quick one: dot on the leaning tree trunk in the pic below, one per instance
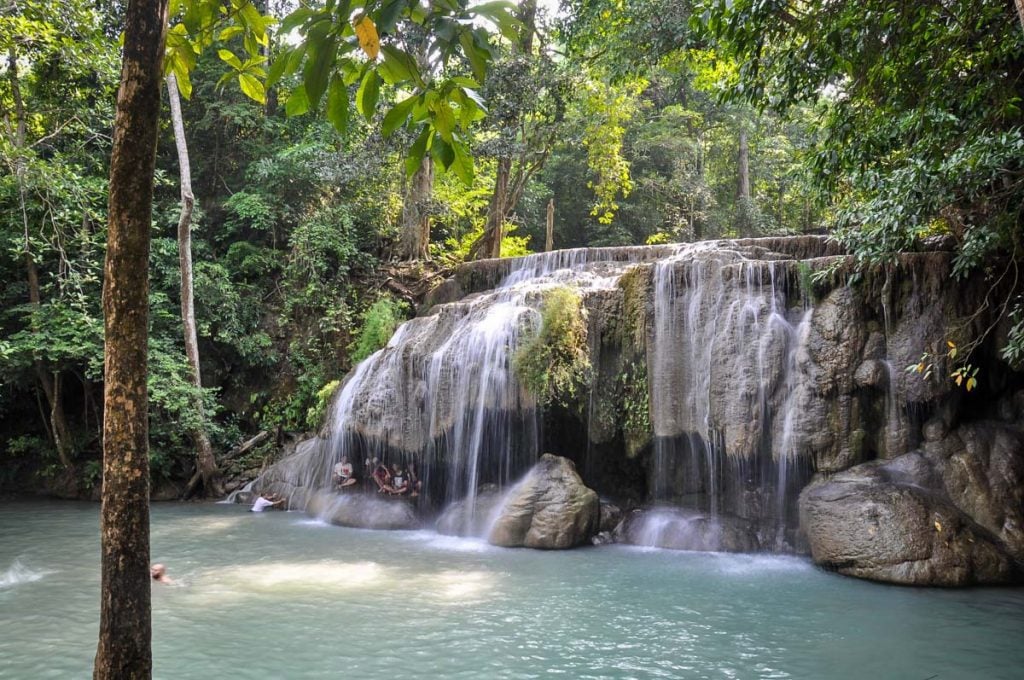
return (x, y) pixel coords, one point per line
(206, 464)
(416, 214)
(124, 651)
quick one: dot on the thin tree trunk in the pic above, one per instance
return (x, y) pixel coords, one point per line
(206, 464)
(124, 650)
(489, 244)
(58, 428)
(549, 239)
(416, 214)
(1020, 11)
(744, 166)
(743, 193)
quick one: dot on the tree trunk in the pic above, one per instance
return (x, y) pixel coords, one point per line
(744, 166)
(1020, 11)
(206, 465)
(58, 428)
(124, 650)
(489, 244)
(746, 228)
(549, 239)
(416, 214)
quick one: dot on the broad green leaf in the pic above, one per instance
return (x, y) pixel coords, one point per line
(230, 32)
(317, 71)
(228, 57)
(462, 165)
(397, 115)
(442, 152)
(338, 105)
(367, 94)
(417, 151)
(389, 13)
(252, 87)
(277, 69)
(476, 60)
(444, 121)
(298, 102)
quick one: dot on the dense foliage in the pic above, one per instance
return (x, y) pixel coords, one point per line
(644, 121)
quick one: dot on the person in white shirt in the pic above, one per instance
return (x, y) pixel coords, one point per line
(343, 473)
(266, 501)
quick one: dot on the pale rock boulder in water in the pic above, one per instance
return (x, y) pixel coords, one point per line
(550, 508)
(363, 511)
(681, 529)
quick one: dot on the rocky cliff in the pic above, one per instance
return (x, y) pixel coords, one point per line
(724, 378)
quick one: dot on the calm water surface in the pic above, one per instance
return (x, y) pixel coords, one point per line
(276, 595)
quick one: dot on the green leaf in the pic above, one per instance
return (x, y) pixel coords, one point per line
(252, 87)
(338, 105)
(477, 60)
(228, 57)
(444, 121)
(317, 71)
(463, 164)
(398, 66)
(397, 115)
(442, 152)
(367, 94)
(277, 69)
(298, 102)
(417, 151)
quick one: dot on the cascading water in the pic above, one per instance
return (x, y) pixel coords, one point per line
(731, 378)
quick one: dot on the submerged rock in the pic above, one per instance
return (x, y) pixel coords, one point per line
(886, 521)
(363, 511)
(550, 508)
(681, 529)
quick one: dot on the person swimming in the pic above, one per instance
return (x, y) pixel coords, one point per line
(158, 573)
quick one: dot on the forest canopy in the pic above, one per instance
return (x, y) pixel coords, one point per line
(345, 154)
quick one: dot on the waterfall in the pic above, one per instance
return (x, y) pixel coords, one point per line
(733, 413)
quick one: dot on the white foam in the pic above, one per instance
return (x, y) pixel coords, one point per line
(17, 574)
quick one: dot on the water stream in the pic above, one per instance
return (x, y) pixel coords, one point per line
(278, 595)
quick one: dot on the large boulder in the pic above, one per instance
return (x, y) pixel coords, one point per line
(889, 521)
(550, 508)
(363, 511)
(681, 529)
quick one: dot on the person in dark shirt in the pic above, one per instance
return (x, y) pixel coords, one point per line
(399, 480)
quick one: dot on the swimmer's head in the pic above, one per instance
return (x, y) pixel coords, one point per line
(157, 571)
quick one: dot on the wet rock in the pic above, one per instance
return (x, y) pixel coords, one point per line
(363, 510)
(611, 515)
(681, 529)
(985, 479)
(603, 538)
(470, 516)
(884, 521)
(549, 509)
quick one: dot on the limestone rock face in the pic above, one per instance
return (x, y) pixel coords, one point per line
(886, 521)
(363, 511)
(679, 529)
(549, 509)
(985, 479)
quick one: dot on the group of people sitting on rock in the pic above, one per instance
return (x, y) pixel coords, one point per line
(398, 480)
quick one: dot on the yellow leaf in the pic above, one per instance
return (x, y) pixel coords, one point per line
(959, 379)
(951, 344)
(366, 31)
(938, 527)
(920, 368)
(971, 383)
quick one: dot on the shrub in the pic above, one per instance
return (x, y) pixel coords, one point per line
(554, 364)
